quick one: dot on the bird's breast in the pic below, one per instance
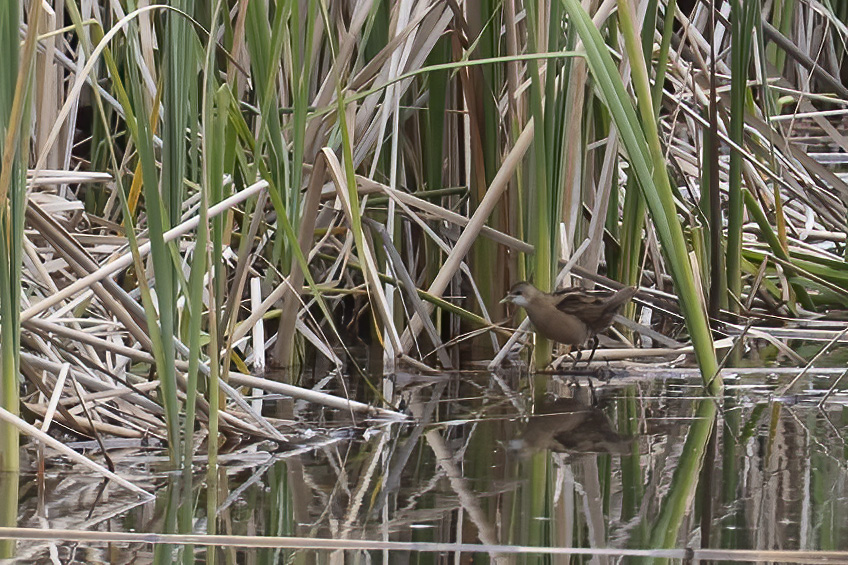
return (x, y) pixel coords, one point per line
(561, 327)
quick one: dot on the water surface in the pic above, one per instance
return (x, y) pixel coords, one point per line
(589, 467)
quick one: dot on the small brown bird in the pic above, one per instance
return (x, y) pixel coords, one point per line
(571, 315)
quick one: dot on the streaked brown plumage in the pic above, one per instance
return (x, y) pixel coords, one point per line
(571, 315)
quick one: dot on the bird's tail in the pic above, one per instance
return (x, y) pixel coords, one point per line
(621, 297)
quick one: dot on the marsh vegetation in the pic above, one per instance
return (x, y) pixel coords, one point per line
(237, 232)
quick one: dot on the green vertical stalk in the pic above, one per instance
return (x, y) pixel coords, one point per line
(9, 347)
(632, 226)
(15, 92)
(131, 100)
(437, 86)
(614, 219)
(213, 395)
(301, 53)
(300, 86)
(300, 74)
(178, 88)
(782, 17)
(559, 102)
(485, 117)
(710, 188)
(177, 48)
(215, 287)
(163, 267)
(742, 29)
(633, 216)
(540, 202)
(15, 103)
(14, 142)
(629, 265)
(662, 58)
(214, 116)
(663, 203)
(648, 161)
(711, 208)
(265, 43)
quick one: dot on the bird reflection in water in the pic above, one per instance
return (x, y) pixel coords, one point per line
(567, 425)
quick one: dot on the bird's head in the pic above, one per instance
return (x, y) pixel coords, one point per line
(520, 294)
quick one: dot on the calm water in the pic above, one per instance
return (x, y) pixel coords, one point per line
(592, 467)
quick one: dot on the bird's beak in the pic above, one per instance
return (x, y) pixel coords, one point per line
(506, 299)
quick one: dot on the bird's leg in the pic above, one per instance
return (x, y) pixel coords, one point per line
(594, 341)
(577, 357)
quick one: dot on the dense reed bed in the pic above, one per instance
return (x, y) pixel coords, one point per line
(193, 194)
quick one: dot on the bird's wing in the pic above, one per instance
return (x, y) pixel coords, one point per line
(571, 300)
